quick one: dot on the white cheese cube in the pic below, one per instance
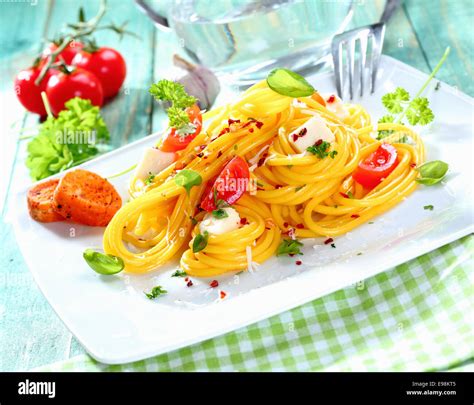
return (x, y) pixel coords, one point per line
(153, 162)
(217, 226)
(309, 133)
(336, 106)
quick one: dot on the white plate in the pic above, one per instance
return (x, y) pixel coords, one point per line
(116, 323)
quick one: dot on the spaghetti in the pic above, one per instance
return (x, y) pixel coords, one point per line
(296, 194)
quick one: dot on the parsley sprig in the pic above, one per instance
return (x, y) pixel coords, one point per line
(289, 247)
(417, 110)
(321, 150)
(155, 292)
(173, 92)
(74, 137)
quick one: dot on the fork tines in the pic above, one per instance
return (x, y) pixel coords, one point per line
(362, 35)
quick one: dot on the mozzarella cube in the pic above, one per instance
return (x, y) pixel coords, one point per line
(336, 106)
(153, 162)
(217, 226)
(309, 133)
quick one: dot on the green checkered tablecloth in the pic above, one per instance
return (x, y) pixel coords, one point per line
(416, 317)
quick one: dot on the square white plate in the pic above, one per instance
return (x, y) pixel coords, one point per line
(116, 323)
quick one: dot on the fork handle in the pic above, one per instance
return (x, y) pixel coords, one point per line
(390, 7)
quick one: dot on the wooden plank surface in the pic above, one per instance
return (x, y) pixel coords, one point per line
(29, 329)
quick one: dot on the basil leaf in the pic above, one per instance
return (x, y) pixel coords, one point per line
(102, 263)
(200, 242)
(432, 172)
(188, 178)
(220, 213)
(288, 83)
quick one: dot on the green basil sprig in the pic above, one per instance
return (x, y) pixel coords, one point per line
(200, 242)
(288, 83)
(188, 178)
(432, 172)
(102, 263)
(220, 213)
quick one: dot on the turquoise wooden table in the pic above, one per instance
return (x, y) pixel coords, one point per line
(31, 334)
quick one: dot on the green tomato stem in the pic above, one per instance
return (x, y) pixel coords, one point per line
(87, 28)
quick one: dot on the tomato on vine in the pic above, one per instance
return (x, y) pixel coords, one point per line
(107, 64)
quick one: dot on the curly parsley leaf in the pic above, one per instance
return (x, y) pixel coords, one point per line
(173, 92)
(155, 292)
(289, 247)
(383, 120)
(70, 139)
(394, 102)
(419, 112)
(321, 150)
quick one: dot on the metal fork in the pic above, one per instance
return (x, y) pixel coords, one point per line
(374, 32)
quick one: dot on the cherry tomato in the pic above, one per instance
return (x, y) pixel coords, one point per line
(377, 166)
(107, 64)
(67, 54)
(80, 83)
(28, 92)
(174, 141)
(229, 186)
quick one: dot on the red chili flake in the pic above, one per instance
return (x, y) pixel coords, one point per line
(186, 279)
(413, 165)
(300, 226)
(205, 157)
(231, 121)
(355, 216)
(278, 186)
(190, 283)
(219, 154)
(214, 283)
(258, 124)
(331, 98)
(285, 224)
(222, 294)
(318, 142)
(250, 129)
(295, 137)
(344, 195)
(299, 262)
(243, 221)
(200, 155)
(291, 254)
(224, 131)
(328, 241)
(202, 147)
(260, 162)
(303, 132)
